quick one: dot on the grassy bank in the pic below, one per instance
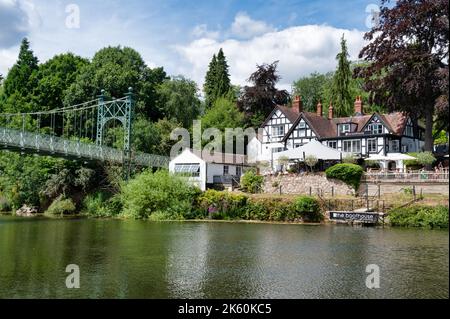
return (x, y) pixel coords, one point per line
(420, 216)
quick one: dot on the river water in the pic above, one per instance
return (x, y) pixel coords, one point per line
(140, 259)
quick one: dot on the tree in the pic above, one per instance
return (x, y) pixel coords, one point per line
(18, 79)
(408, 56)
(313, 88)
(340, 92)
(257, 101)
(217, 79)
(179, 100)
(311, 161)
(115, 69)
(223, 114)
(53, 78)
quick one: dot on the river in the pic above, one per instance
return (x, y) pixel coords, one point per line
(141, 259)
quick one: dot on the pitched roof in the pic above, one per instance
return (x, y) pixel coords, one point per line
(289, 112)
(327, 128)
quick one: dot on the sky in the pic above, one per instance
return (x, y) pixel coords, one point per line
(304, 36)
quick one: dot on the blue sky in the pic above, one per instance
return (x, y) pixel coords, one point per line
(181, 36)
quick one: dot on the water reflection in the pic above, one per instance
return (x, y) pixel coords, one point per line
(136, 259)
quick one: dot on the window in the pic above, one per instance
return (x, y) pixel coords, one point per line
(188, 169)
(332, 144)
(238, 171)
(301, 133)
(277, 149)
(278, 131)
(372, 145)
(351, 146)
(226, 170)
(302, 125)
(344, 128)
(297, 145)
(375, 128)
(409, 131)
(395, 146)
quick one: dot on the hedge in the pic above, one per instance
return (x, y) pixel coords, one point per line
(420, 216)
(348, 173)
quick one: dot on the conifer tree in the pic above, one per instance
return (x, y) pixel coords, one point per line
(341, 98)
(217, 80)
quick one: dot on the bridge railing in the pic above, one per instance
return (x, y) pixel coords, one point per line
(75, 148)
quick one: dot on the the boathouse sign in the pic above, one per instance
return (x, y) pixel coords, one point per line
(352, 216)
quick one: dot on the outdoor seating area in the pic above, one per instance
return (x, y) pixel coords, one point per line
(441, 174)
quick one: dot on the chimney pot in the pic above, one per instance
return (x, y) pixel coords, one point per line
(358, 106)
(297, 105)
(330, 111)
(319, 109)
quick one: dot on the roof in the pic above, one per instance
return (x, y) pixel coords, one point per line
(216, 157)
(289, 112)
(327, 128)
(314, 148)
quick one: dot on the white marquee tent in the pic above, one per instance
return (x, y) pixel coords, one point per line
(315, 148)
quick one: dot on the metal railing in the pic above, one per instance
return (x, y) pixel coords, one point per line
(438, 176)
(23, 140)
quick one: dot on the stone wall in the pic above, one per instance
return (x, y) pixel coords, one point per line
(315, 183)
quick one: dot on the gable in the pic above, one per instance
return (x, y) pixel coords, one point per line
(376, 124)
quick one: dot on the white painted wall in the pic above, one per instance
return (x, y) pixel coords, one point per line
(187, 157)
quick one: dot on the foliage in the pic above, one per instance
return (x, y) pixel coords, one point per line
(61, 206)
(410, 71)
(440, 138)
(5, 205)
(425, 158)
(340, 92)
(219, 205)
(178, 100)
(102, 204)
(115, 69)
(311, 161)
(251, 182)
(313, 88)
(348, 173)
(223, 114)
(159, 192)
(153, 137)
(217, 80)
(258, 101)
(308, 208)
(420, 216)
(349, 159)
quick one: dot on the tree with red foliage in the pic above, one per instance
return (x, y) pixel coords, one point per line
(408, 60)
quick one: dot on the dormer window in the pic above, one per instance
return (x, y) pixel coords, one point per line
(278, 131)
(375, 128)
(345, 128)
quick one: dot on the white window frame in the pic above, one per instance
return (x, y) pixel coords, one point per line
(345, 128)
(302, 124)
(330, 143)
(226, 170)
(378, 126)
(355, 146)
(372, 148)
(276, 130)
(391, 146)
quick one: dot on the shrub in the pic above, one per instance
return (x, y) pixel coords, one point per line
(421, 159)
(61, 206)
(349, 159)
(307, 208)
(159, 192)
(102, 204)
(420, 216)
(311, 161)
(221, 205)
(5, 205)
(348, 173)
(251, 182)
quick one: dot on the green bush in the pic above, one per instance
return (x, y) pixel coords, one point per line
(307, 208)
(102, 204)
(61, 206)
(5, 205)
(251, 182)
(420, 216)
(159, 192)
(348, 173)
(221, 205)
(421, 159)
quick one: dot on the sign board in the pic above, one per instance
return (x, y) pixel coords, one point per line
(352, 216)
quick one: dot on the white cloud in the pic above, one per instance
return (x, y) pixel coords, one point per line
(202, 31)
(244, 27)
(300, 50)
(7, 59)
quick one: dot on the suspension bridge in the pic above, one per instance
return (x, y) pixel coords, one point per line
(79, 132)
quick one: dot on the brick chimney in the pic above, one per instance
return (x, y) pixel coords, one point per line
(319, 109)
(358, 106)
(330, 111)
(297, 105)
